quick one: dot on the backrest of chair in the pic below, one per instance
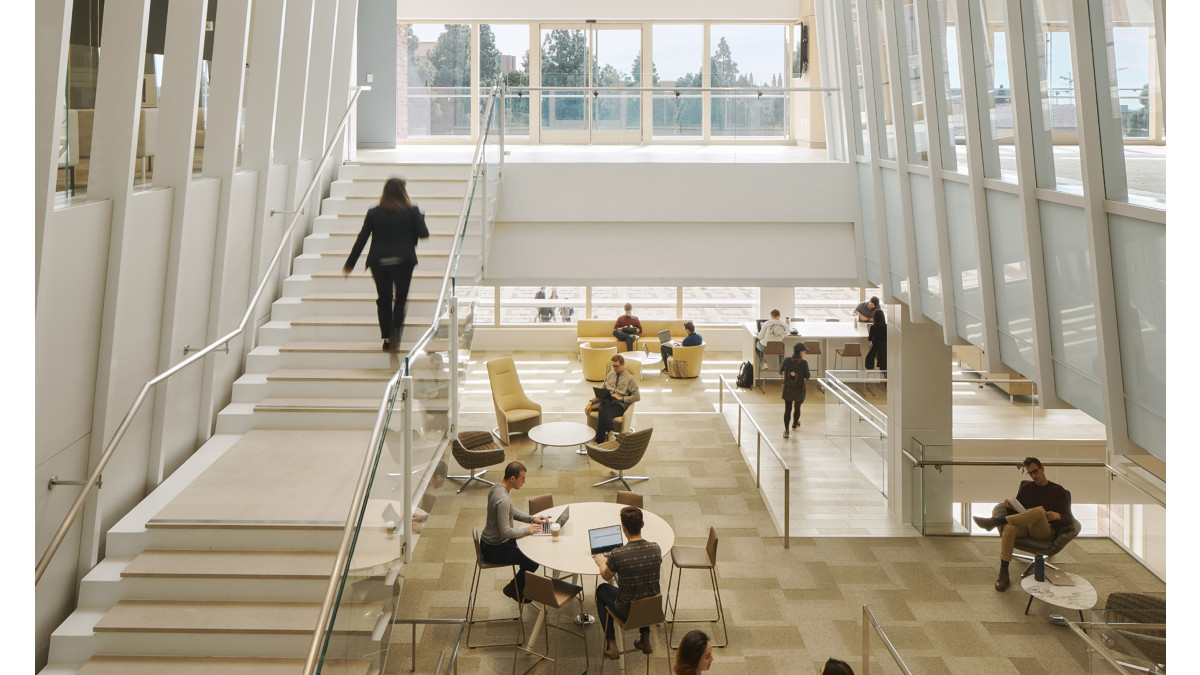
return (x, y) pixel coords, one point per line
(774, 347)
(540, 503)
(832, 320)
(645, 612)
(629, 498)
(506, 386)
(814, 348)
(633, 447)
(469, 440)
(851, 349)
(478, 550)
(539, 589)
(712, 545)
(632, 367)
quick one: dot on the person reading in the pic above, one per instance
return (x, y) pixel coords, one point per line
(622, 389)
(1047, 511)
(627, 328)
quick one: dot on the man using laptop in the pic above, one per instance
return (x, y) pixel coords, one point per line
(774, 330)
(1047, 511)
(623, 389)
(498, 543)
(637, 565)
(668, 348)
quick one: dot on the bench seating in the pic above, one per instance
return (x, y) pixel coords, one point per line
(599, 333)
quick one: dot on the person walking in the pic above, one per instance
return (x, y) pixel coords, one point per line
(877, 334)
(394, 226)
(694, 655)
(794, 372)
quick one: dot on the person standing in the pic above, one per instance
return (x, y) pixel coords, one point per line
(637, 564)
(694, 655)
(794, 372)
(627, 328)
(625, 391)
(498, 542)
(544, 313)
(693, 339)
(394, 226)
(877, 334)
(1048, 512)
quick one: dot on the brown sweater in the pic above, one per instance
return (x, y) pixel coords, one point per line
(1051, 496)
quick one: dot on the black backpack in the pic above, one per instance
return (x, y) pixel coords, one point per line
(792, 377)
(745, 378)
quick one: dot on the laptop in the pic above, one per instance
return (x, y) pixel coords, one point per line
(604, 539)
(602, 393)
(664, 336)
(760, 325)
(562, 520)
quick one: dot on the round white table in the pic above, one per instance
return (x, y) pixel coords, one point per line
(650, 361)
(560, 435)
(572, 553)
(1081, 596)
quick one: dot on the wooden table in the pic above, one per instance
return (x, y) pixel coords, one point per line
(829, 334)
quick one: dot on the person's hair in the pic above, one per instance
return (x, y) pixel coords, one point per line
(874, 300)
(798, 350)
(691, 650)
(513, 470)
(395, 195)
(774, 314)
(689, 326)
(617, 358)
(1032, 460)
(878, 317)
(836, 667)
(628, 307)
(554, 293)
(631, 520)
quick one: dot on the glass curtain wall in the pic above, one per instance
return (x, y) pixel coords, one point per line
(910, 68)
(1057, 142)
(433, 87)
(504, 59)
(862, 138)
(883, 84)
(956, 158)
(999, 160)
(678, 65)
(751, 57)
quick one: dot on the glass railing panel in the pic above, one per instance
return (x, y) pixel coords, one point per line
(75, 135)
(1129, 642)
(677, 114)
(936, 510)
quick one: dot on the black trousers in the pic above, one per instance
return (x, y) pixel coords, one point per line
(391, 283)
(877, 355)
(608, 410)
(630, 339)
(508, 554)
(606, 598)
(787, 412)
(666, 351)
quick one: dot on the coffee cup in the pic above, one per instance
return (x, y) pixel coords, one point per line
(554, 530)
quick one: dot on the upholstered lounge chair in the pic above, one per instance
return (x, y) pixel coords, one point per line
(515, 412)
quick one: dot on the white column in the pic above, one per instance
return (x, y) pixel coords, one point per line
(878, 137)
(114, 141)
(222, 138)
(184, 318)
(52, 32)
(320, 65)
(288, 147)
(920, 405)
(342, 78)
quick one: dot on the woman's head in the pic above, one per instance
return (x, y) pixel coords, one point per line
(878, 317)
(836, 667)
(694, 655)
(798, 350)
(395, 195)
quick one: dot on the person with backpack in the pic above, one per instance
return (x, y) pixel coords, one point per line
(794, 371)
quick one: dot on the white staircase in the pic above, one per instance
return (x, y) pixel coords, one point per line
(243, 597)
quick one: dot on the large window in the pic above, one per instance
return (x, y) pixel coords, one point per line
(433, 88)
(751, 57)
(999, 155)
(727, 305)
(1057, 135)
(504, 59)
(955, 156)
(860, 101)
(678, 65)
(883, 83)
(910, 68)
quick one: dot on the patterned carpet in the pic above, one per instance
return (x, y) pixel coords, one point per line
(788, 610)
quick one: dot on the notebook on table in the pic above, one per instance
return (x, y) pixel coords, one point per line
(604, 539)
(562, 520)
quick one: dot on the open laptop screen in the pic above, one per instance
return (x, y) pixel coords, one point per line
(664, 336)
(604, 539)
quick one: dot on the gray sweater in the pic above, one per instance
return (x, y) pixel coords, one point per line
(626, 385)
(500, 516)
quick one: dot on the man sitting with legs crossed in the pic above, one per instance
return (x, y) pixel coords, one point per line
(1048, 512)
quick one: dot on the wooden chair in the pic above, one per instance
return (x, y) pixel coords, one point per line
(696, 558)
(540, 503)
(850, 350)
(643, 613)
(629, 498)
(551, 594)
(480, 565)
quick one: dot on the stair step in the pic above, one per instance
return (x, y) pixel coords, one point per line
(333, 296)
(316, 405)
(198, 665)
(231, 564)
(331, 375)
(372, 347)
(286, 618)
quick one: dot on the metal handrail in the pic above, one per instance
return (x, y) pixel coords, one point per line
(325, 616)
(869, 622)
(670, 89)
(787, 471)
(832, 384)
(284, 240)
(1120, 666)
(939, 463)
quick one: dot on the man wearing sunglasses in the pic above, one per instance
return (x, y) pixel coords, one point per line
(1047, 512)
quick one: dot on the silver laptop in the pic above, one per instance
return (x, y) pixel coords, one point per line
(664, 336)
(604, 539)
(562, 520)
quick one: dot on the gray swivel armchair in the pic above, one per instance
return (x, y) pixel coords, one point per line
(1037, 547)
(623, 452)
(475, 450)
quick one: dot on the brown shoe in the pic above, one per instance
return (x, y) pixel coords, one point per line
(1002, 581)
(988, 524)
(643, 643)
(611, 652)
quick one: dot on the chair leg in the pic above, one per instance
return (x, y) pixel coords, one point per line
(476, 580)
(620, 476)
(468, 478)
(712, 573)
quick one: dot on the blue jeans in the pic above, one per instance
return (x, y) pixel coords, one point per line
(606, 599)
(630, 339)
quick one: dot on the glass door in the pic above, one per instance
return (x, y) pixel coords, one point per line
(582, 63)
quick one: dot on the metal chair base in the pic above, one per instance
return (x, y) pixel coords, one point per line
(673, 609)
(1032, 561)
(468, 478)
(620, 476)
(557, 640)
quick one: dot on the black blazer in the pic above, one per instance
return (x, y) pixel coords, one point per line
(877, 332)
(393, 235)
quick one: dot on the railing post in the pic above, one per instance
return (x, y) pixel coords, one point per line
(739, 438)
(866, 642)
(406, 417)
(500, 128)
(757, 459)
(721, 396)
(452, 351)
(787, 507)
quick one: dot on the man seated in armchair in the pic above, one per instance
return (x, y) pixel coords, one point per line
(624, 391)
(693, 338)
(1047, 512)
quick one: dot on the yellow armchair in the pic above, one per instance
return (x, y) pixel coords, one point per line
(595, 361)
(689, 360)
(515, 412)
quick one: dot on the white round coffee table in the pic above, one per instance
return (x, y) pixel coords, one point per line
(561, 435)
(1081, 596)
(650, 361)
